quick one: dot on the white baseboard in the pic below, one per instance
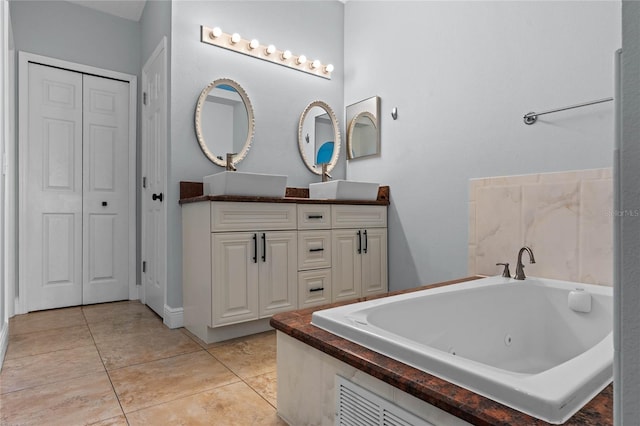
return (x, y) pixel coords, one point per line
(4, 342)
(173, 317)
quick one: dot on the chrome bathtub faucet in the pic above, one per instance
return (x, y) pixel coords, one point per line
(519, 266)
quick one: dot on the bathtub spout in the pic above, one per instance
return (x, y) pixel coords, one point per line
(519, 266)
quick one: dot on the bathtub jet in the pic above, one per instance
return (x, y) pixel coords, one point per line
(522, 343)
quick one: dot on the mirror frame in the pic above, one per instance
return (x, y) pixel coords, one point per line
(354, 111)
(250, 119)
(336, 138)
(352, 127)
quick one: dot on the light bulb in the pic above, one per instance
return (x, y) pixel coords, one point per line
(301, 60)
(215, 33)
(328, 69)
(315, 64)
(253, 44)
(235, 38)
(270, 49)
(286, 54)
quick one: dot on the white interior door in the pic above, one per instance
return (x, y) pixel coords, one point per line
(105, 190)
(154, 134)
(76, 190)
(53, 189)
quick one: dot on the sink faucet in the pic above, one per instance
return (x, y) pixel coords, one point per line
(519, 266)
(230, 166)
(325, 174)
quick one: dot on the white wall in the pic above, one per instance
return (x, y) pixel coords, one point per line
(626, 289)
(4, 122)
(278, 94)
(462, 75)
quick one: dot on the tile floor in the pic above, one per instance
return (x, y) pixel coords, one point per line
(117, 364)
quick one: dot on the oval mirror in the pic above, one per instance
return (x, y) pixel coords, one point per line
(319, 137)
(363, 133)
(224, 121)
(362, 138)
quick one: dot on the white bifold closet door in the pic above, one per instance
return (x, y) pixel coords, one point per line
(77, 189)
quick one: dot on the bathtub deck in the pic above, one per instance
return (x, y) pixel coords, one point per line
(458, 401)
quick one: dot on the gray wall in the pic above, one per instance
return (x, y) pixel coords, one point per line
(462, 75)
(74, 33)
(626, 290)
(278, 94)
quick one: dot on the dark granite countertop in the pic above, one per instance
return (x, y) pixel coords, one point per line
(192, 192)
(454, 399)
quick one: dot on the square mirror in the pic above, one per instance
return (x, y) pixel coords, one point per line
(363, 133)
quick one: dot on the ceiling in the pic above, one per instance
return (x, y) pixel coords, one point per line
(127, 9)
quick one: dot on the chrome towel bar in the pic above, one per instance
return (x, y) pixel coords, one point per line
(532, 117)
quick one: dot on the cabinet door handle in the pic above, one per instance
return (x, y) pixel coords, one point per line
(359, 242)
(316, 289)
(155, 197)
(255, 248)
(366, 242)
(316, 249)
(264, 247)
(314, 216)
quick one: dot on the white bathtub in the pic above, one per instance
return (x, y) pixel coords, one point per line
(516, 342)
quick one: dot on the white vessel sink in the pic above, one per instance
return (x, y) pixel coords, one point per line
(344, 190)
(247, 184)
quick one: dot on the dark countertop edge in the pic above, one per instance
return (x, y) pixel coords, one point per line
(451, 398)
(250, 199)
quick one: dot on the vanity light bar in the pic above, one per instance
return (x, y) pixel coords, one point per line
(217, 37)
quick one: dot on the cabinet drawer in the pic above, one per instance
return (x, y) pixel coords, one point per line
(314, 216)
(314, 288)
(357, 216)
(232, 216)
(314, 249)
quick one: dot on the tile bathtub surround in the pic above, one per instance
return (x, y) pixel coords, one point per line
(566, 218)
(453, 399)
(117, 364)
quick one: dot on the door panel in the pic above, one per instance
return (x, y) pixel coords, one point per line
(374, 262)
(235, 278)
(53, 240)
(106, 190)
(153, 170)
(278, 273)
(346, 263)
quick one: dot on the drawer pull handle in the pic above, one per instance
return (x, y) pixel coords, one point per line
(316, 249)
(255, 248)
(315, 216)
(316, 289)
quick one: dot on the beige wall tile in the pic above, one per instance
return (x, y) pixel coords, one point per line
(596, 236)
(550, 225)
(498, 226)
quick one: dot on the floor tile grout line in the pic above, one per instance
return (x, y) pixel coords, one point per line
(256, 391)
(49, 352)
(105, 370)
(186, 396)
(153, 360)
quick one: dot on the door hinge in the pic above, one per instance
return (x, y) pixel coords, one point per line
(144, 266)
(144, 181)
(144, 98)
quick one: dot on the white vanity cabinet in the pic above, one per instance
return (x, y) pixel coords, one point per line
(245, 261)
(245, 270)
(359, 251)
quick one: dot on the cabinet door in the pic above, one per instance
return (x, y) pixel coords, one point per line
(346, 261)
(374, 261)
(234, 277)
(278, 272)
